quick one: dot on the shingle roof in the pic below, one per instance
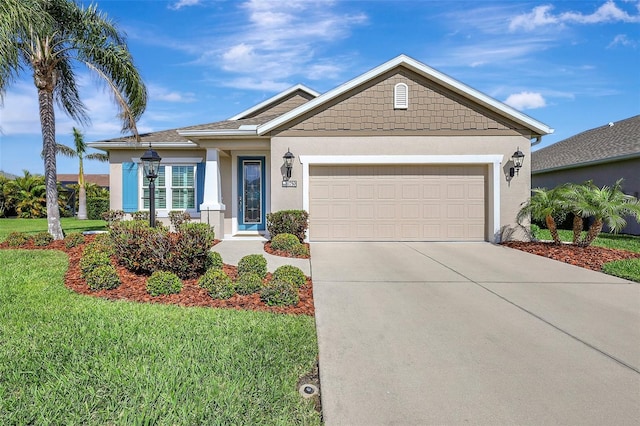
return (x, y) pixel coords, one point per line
(608, 142)
(98, 179)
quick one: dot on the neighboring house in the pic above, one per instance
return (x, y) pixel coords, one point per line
(101, 180)
(603, 155)
(401, 152)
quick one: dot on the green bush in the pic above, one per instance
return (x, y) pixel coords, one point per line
(96, 207)
(217, 283)
(178, 217)
(300, 250)
(103, 243)
(286, 242)
(255, 263)
(112, 216)
(190, 248)
(291, 274)
(17, 239)
(91, 259)
(280, 293)
(103, 277)
(162, 282)
(214, 260)
(293, 222)
(248, 283)
(74, 239)
(140, 215)
(42, 239)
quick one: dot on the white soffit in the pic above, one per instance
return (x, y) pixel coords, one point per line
(427, 72)
(275, 99)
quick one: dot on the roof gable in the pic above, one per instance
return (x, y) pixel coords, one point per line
(299, 92)
(613, 141)
(425, 71)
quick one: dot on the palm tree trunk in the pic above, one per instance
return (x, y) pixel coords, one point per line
(47, 120)
(551, 225)
(594, 231)
(578, 224)
(82, 191)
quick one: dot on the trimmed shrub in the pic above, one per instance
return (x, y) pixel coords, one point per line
(286, 242)
(300, 250)
(248, 283)
(42, 239)
(162, 282)
(291, 274)
(96, 207)
(217, 283)
(255, 263)
(140, 248)
(178, 217)
(214, 260)
(103, 277)
(91, 259)
(17, 239)
(112, 216)
(74, 239)
(189, 250)
(140, 215)
(103, 242)
(280, 293)
(293, 222)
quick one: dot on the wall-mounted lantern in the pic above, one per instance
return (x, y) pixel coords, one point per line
(288, 163)
(517, 158)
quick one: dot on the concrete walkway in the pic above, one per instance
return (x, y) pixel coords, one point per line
(234, 250)
(457, 333)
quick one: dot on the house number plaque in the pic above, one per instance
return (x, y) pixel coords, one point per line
(289, 183)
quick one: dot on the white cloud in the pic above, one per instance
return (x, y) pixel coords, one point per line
(542, 16)
(183, 3)
(622, 40)
(159, 93)
(525, 100)
(256, 84)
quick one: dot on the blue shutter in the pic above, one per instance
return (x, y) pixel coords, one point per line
(129, 187)
(200, 184)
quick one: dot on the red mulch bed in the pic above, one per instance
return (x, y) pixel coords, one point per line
(585, 257)
(133, 287)
(282, 253)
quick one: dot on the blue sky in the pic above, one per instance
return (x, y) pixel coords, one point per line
(574, 65)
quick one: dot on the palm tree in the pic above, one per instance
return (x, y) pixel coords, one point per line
(79, 151)
(575, 195)
(50, 37)
(28, 193)
(607, 205)
(546, 205)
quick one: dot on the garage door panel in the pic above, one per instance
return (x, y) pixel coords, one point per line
(397, 202)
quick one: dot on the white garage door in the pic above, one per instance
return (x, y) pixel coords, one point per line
(397, 203)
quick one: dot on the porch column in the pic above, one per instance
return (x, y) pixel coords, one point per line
(212, 209)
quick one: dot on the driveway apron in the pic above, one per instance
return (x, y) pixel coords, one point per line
(454, 333)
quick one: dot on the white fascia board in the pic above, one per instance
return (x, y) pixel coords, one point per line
(142, 145)
(225, 132)
(425, 71)
(274, 99)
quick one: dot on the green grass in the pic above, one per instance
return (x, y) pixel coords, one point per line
(615, 241)
(33, 226)
(628, 269)
(72, 359)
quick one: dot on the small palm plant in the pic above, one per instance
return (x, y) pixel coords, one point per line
(548, 205)
(607, 205)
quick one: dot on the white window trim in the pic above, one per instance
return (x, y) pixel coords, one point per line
(493, 161)
(397, 103)
(193, 212)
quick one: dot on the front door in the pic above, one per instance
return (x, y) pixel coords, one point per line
(251, 194)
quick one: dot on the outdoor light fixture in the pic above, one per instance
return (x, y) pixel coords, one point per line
(151, 164)
(517, 158)
(288, 163)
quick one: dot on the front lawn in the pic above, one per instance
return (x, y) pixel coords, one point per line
(33, 226)
(628, 269)
(71, 359)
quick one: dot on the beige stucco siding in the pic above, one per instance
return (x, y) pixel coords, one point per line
(512, 191)
(371, 108)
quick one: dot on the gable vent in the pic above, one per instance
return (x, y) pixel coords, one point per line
(401, 96)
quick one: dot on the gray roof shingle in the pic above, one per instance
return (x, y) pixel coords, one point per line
(622, 139)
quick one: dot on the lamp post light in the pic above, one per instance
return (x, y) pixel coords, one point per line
(151, 163)
(288, 162)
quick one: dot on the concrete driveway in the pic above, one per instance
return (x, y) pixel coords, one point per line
(457, 333)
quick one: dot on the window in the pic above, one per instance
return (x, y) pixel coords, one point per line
(401, 96)
(175, 188)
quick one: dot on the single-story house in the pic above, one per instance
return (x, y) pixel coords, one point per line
(66, 179)
(401, 152)
(603, 155)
